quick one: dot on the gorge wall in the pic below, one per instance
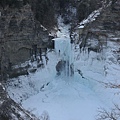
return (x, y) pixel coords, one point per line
(19, 33)
(99, 39)
(104, 28)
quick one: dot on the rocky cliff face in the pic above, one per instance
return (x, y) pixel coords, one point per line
(19, 33)
(99, 37)
(103, 28)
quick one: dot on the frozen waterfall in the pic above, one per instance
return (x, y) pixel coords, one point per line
(63, 48)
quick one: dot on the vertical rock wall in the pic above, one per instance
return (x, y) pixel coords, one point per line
(19, 32)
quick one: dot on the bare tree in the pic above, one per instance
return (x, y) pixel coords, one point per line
(45, 116)
(113, 114)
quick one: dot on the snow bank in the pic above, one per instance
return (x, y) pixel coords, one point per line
(92, 17)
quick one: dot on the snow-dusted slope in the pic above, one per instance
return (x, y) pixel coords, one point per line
(66, 98)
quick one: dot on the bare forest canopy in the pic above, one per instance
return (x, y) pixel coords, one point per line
(46, 11)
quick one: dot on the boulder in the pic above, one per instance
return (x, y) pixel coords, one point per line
(60, 67)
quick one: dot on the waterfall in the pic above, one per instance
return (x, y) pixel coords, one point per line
(63, 48)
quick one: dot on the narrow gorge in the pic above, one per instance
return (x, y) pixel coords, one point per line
(59, 60)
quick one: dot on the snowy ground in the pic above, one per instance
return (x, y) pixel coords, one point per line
(64, 98)
(68, 98)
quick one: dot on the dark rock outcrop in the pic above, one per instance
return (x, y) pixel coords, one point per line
(60, 67)
(9, 110)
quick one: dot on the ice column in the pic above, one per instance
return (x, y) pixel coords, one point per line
(63, 48)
